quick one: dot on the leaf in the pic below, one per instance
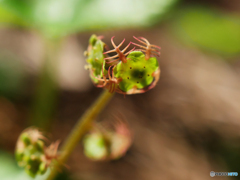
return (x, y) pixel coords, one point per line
(61, 17)
(210, 30)
(7, 18)
(10, 171)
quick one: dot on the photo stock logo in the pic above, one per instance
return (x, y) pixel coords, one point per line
(212, 173)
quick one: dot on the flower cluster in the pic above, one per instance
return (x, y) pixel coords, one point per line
(32, 154)
(132, 72)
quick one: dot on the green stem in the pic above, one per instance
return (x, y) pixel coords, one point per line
(82, 126)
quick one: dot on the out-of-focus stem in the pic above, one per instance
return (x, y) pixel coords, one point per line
(82, 126)
(46, 92)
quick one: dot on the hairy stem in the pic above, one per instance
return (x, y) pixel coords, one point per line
(83, 125)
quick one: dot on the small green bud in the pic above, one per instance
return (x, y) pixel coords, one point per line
(33, 166)
(26, 139)
(95, 146)
(39, 146)
(106, 144)
(32, 153)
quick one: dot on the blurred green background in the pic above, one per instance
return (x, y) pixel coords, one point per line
(190, 121)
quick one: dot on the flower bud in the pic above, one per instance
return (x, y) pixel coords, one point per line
(31, 152)
(107, 144)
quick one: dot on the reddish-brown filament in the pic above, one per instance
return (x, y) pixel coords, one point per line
(150, 49)
(121, 55)
(110, 83)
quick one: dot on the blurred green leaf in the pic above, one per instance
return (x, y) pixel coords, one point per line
(61, 17)
(210, 30)
(7, 18)
(9, 170)
(12, 75)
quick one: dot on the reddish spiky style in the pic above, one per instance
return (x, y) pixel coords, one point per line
(51, 152)
(109, 82)
(121, 55)
(149, 49)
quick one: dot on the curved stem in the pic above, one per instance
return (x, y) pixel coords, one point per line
(83, 125)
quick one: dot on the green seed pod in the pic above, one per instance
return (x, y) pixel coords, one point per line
(132, 72)
(95, 58)
(32, 154)
(137, 73)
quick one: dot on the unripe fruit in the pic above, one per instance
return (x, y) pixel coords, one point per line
(132, 72)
